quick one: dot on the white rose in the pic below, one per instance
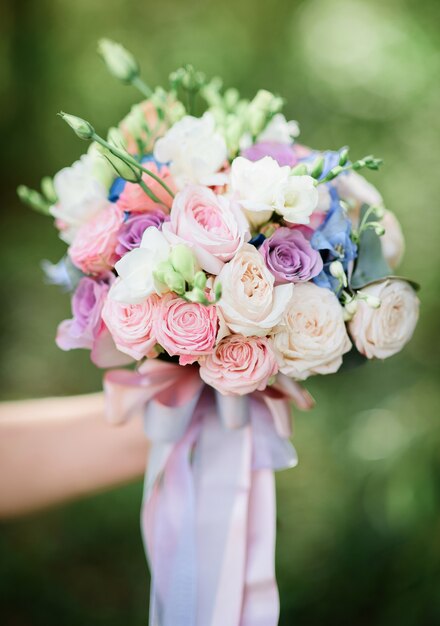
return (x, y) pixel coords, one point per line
(194, 150)
(312, 337)
(254, 184)
(80, 196)
(393, 242)
(296, 199)
(356, 191)
(279, 130)
(136, 269)
(382, 332)
(250, 303)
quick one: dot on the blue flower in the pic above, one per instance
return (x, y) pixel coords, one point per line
(333, 241)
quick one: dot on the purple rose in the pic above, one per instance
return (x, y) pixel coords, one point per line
(133, 228)
(283, 153)
(290, 257)
(87, 302)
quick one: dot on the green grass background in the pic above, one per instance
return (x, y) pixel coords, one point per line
(359, 519)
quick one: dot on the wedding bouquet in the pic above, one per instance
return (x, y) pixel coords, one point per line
(222, 262)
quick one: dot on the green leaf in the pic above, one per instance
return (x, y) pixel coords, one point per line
(352, 360)
(370, 264)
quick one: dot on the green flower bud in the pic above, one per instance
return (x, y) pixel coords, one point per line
(182, 260)
(337, 270)
(122, 168)
(317, 167)
(175, 282)
(116, 138)
(33, 199)
(231, 98)
(81, 127)
(299, 170)
(372, 301)
(119, 61)
(200, 280)
(379, 212)
(197, 295)
(48, 189)
(343, 156)
(161, 270)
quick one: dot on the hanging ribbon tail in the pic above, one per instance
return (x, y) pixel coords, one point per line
(208, 517)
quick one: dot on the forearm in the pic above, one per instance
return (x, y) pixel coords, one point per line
(56, 449)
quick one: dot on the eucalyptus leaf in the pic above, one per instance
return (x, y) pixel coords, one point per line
(370, 263)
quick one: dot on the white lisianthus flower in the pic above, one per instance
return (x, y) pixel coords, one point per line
(311, 337)
(296, 199)
(136, 269)
(250, 303)
(383, 331)
(254, 184)
(279, 130)
(356, 191)
(80, 196)
(393, 242)
(194, 150)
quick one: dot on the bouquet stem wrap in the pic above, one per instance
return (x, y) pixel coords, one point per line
(208, 516)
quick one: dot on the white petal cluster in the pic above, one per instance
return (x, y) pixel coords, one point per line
(80, 196)
(263, 186)
(194, 150)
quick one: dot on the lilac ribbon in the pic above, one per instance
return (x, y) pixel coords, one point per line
(208, 515)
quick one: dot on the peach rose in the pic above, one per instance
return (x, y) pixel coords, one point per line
(382, 332)
(356, 191)
(135, 200)
(250, 303)
(131, 325)
(312, 337)
(393, 243)
(93, 249)
(186, 329)
(239, 365)
(213, 226)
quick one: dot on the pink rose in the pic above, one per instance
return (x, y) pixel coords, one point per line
(135, 200)
(131, 325)
(93, 250)
(239, 365)
(186, 329)
(212, 225)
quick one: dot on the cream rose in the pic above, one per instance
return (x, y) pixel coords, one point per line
(311, 338)
(384, 331)
(250, 303)
(393, 242)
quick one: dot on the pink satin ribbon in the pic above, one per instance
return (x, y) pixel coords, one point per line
(208, 517)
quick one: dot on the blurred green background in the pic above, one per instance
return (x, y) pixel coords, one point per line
(359, 519)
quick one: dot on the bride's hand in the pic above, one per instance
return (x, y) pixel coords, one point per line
(57, 449)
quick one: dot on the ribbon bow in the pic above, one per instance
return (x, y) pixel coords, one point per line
(208, 515)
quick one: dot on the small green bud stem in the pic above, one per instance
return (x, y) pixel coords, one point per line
(141, 86)
(369, 161)
(366, 223)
